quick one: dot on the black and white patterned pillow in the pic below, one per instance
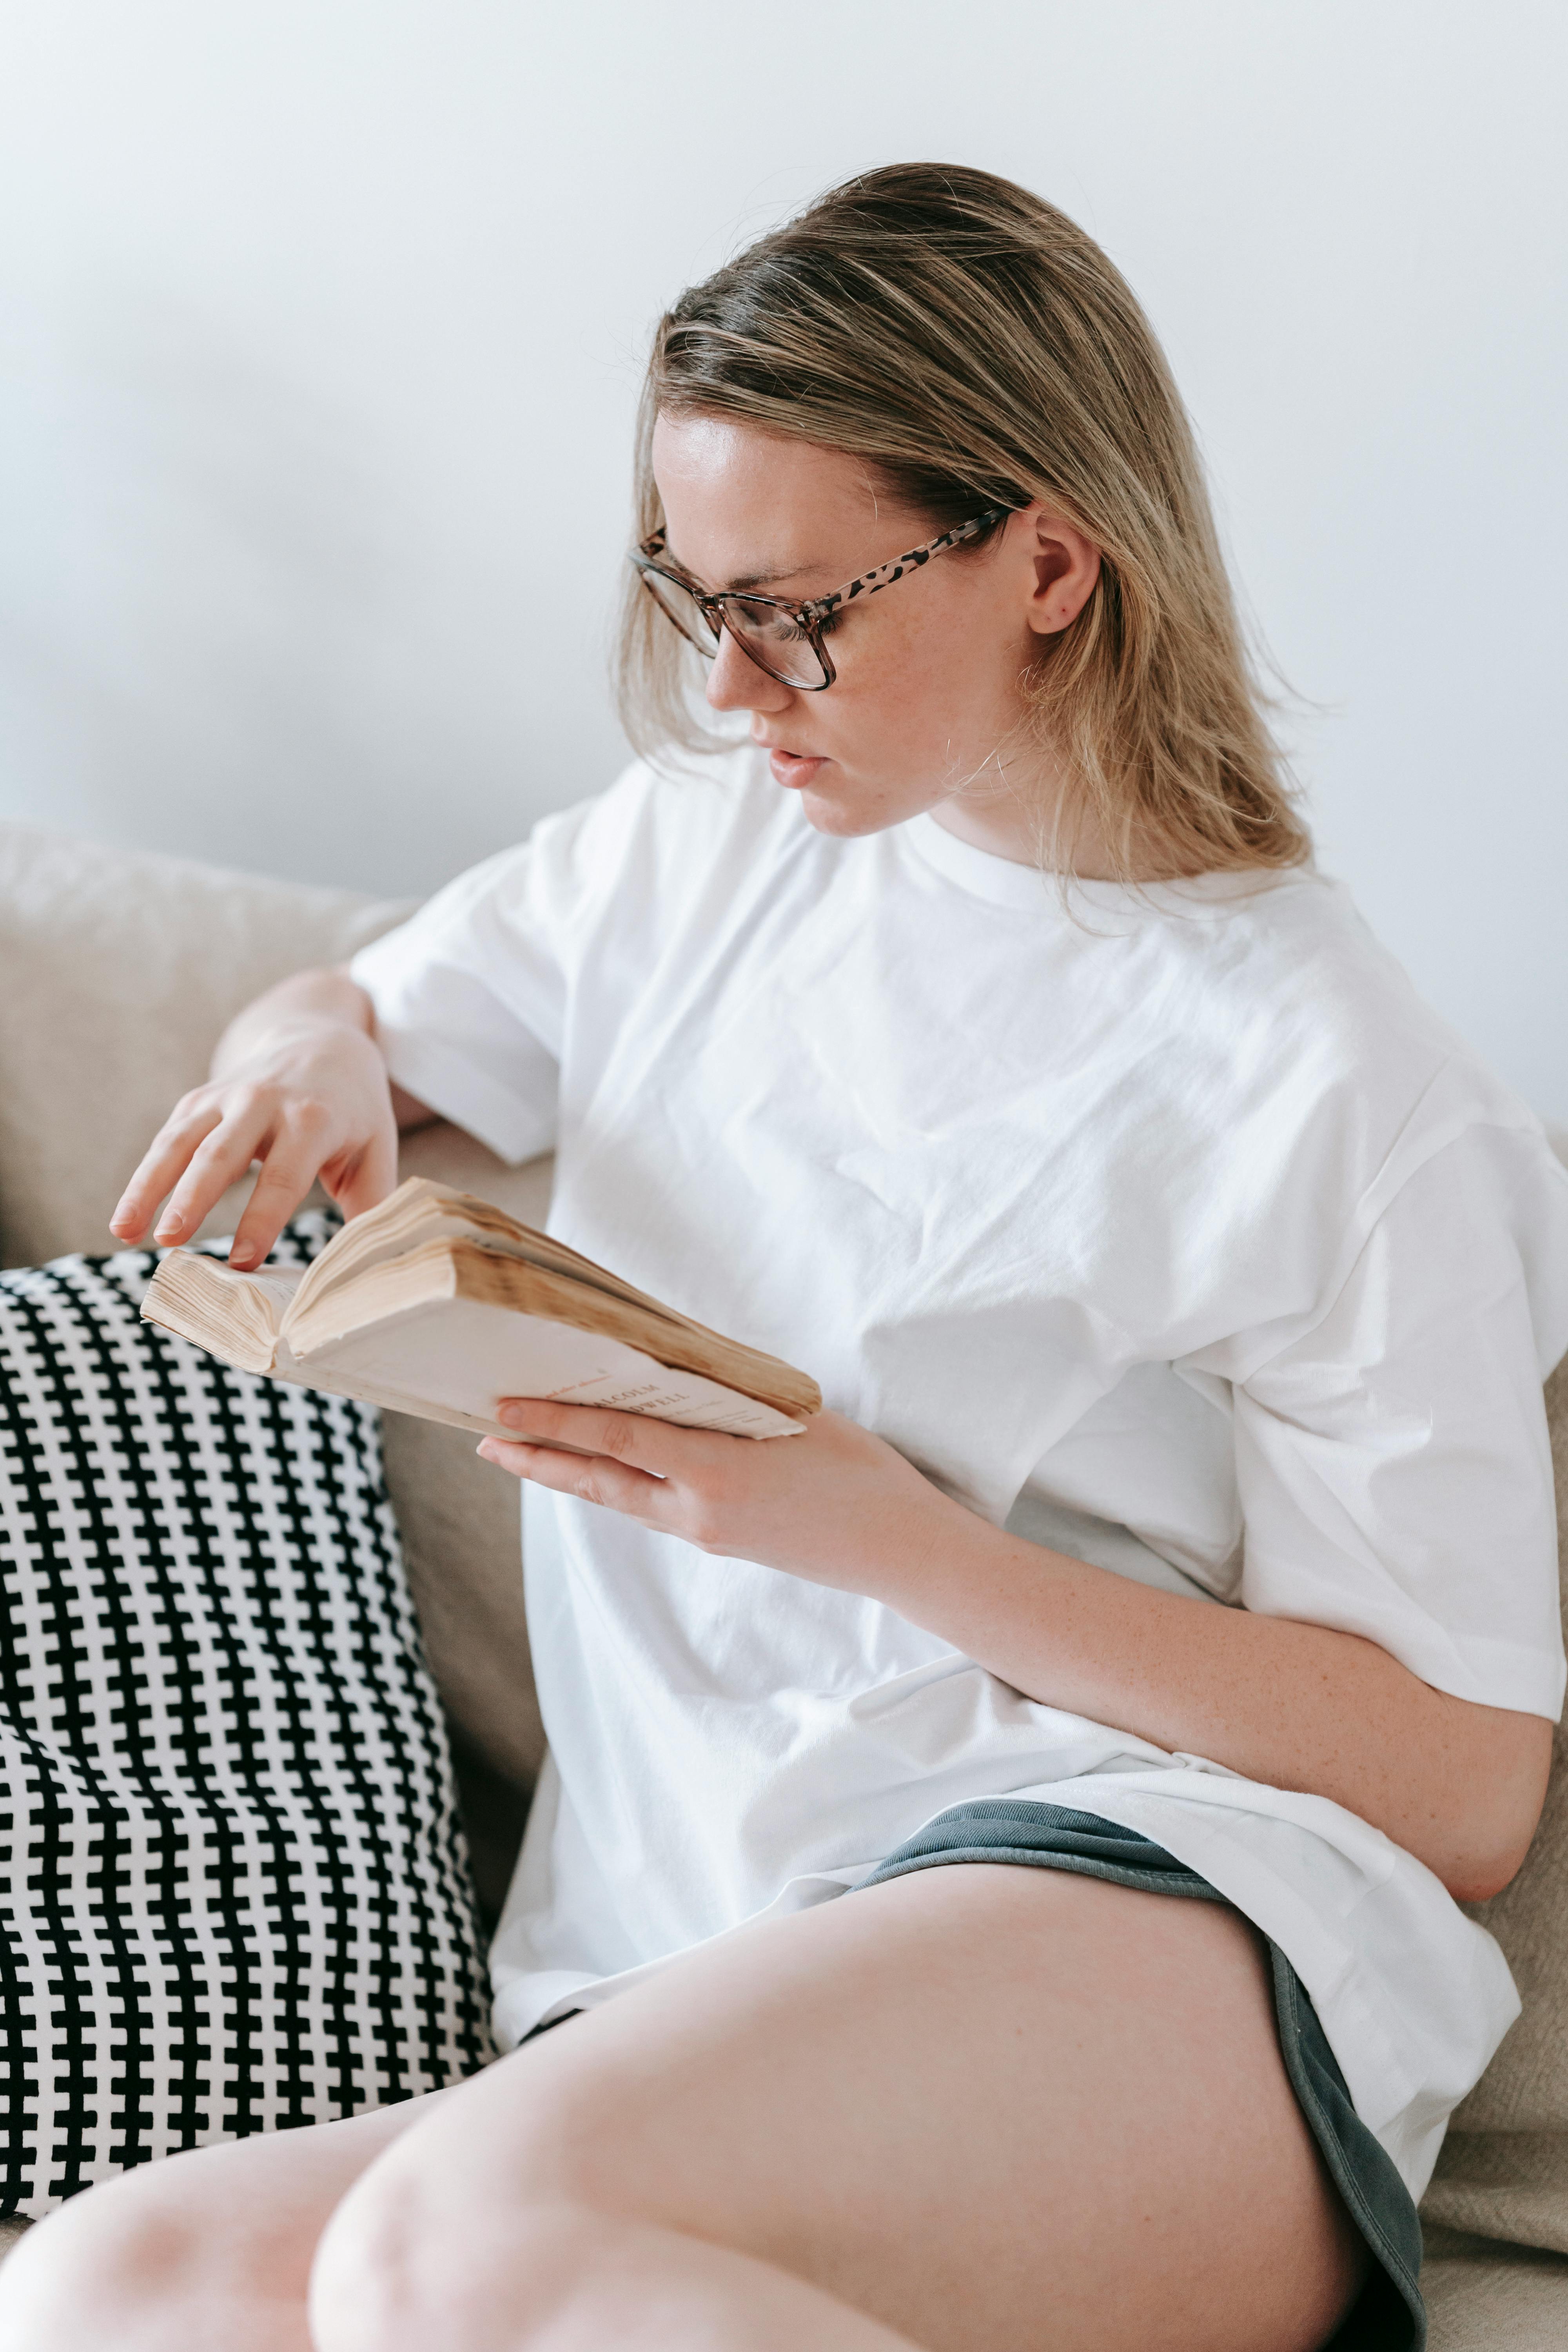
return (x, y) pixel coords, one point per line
(234, 1893)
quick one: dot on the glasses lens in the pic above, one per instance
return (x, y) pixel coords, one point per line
(683, 609)
(774, 642)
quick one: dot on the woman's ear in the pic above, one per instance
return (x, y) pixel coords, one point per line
(1066, 566)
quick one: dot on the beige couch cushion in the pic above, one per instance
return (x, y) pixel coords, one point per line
(1503, 2172)
(116, 973)
(1489, 2298)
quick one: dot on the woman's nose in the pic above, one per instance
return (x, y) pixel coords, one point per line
(735, 683)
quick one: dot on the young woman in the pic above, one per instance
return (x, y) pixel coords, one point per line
(963, 1021)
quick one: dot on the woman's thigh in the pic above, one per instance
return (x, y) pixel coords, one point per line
(986, 2105)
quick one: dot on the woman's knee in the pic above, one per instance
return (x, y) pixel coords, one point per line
(395, 2272)
(379, 2262)
(107, 2269)
(510, 2180)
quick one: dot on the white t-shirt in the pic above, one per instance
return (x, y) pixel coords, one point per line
(1169, 1227)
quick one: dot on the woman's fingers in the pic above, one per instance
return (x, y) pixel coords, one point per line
(309, 1096)
(657, 1446)
(163, 1164)
(671, 1478)
(244, 1135)
(211, 1147)
(593, 1479)
(286, 1176)
(364, 1181)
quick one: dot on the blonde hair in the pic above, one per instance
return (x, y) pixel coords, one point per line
(976, 348)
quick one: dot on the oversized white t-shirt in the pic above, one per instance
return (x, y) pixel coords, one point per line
(1168, 1227)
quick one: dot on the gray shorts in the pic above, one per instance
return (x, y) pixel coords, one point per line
(1389, 2315)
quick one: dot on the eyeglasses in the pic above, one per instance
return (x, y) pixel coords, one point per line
(786, 641)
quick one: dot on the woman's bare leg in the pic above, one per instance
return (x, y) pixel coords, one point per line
(982, 2106)
(206, 2253)
(987, 2106)
(212, 2253)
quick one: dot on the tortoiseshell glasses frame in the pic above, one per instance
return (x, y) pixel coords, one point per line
(786, 641)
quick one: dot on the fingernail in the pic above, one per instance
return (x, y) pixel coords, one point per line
(486, 1449)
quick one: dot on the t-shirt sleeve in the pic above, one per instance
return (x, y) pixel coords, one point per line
(472, 996)
(1393, 1466)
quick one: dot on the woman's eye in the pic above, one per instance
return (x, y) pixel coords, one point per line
(766, 621)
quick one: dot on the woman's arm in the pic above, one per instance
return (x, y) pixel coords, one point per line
(298, 1083)
(1302, 1706)
(1458, 1785)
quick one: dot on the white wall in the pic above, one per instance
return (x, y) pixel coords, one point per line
(320, 329)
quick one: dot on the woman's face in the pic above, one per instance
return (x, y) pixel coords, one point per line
(928, 686)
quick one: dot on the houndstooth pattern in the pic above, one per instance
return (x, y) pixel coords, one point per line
(234, 1893)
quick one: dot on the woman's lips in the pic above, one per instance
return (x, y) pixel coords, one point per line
(793, 771)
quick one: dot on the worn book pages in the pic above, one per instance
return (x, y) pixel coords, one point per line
(439, 1306)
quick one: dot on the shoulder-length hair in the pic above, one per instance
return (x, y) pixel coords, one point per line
(975, 348)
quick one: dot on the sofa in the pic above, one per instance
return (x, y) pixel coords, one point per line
(118, 971)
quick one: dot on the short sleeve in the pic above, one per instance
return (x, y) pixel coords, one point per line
(1394, 1468)
(472, 996)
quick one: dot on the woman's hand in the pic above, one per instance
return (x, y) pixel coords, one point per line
(835, 1504)
(299, 1084)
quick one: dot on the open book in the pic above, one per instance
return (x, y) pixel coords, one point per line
(438, 1304)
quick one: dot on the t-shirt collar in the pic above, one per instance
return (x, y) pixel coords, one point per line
(1006, 883)
(979, 871)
